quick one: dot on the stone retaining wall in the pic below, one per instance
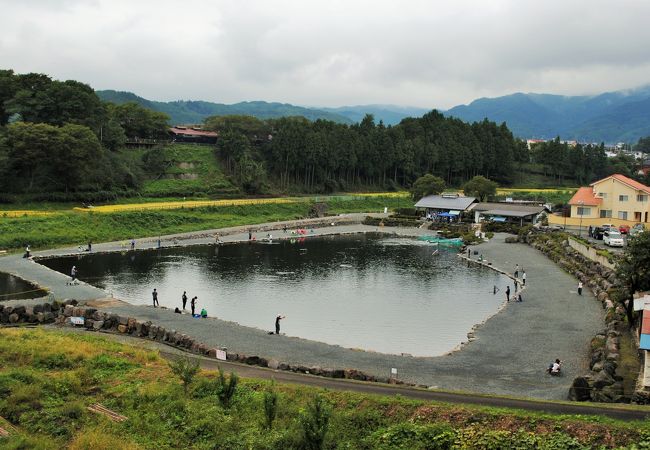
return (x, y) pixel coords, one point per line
(95, 320)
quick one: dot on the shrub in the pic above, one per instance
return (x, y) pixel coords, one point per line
(227, 391)
(23, 398)
(53, 361)
(270, 407)
(409, 436)
(74, 410)
(186, 370)
(314, 421)
(98, 439)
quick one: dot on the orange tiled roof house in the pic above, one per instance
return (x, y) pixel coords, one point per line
(615, 199)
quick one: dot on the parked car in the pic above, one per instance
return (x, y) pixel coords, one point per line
(637, 229)
(624, 229)
(597, 233)
(613, 238)
(608, 226)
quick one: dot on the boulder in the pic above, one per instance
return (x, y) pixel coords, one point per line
(273, 364)
(89, 312)
(122, 328)
(68, 310)
(256, 361)
(98, 325)
(602, 379)
(45, 317)
(580, 390)
(13, 318)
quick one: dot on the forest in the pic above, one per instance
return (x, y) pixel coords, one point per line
(59, 141)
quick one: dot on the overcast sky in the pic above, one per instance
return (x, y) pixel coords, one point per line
(332, 53)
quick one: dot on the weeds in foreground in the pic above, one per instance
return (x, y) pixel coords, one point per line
(186, 370)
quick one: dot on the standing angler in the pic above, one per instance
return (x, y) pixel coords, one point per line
(278, 318)
(154, 295)
(184, 297)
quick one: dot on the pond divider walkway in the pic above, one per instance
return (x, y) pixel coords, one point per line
(509, 355)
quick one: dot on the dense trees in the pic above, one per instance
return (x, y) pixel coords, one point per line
(325, 156)
(42, 158)
(580, 163)
(58, 137)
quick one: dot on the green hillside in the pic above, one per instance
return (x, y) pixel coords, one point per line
(186, 170)
(189, 112)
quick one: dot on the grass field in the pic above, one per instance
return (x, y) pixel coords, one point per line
(77, 228)
(49, 378)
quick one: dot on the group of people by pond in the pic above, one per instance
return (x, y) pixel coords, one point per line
(203, 314)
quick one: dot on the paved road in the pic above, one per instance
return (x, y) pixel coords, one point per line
(508, 357)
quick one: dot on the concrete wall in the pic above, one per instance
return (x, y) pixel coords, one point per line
(590, 252)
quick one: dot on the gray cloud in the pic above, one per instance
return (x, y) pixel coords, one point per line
(422, 53)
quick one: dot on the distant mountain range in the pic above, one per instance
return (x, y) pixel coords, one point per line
(622, 116)
(192, 112)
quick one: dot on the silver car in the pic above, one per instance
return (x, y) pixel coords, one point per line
(637, 229)
(613, 238)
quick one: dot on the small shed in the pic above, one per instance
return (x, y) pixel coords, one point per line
(507, 212)
(445, 206)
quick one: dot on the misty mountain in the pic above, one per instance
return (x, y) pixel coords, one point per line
(622, 116)
(193, 112)
(389, 114)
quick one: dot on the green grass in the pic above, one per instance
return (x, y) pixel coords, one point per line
(560, 197)
(77, 228)
(204, 165)
(44, 394)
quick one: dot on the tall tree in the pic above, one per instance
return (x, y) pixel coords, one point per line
(634, 270)
(427, 185)
(480, 187)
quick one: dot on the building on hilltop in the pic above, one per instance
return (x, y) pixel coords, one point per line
(193, 134)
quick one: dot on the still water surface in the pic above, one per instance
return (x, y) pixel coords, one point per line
(14, 288)
(391, 295)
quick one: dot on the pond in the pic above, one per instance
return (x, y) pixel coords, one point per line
(14, 288)
(384, 294)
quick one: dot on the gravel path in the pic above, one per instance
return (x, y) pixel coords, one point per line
(508, 357)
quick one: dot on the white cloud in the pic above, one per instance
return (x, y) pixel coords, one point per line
(422, 53)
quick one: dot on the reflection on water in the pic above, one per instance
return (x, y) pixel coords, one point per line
(13, 288)
(391, 295)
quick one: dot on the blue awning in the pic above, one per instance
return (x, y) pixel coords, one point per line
(446, 215)
(498, 219)
(645, 342)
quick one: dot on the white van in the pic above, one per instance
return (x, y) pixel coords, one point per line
(613, 238)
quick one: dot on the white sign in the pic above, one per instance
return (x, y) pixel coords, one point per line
(641, 303)
(77, 320)
(221, 354)
(393, 371)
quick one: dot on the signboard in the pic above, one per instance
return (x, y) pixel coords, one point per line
(393, 372)
(221, 354)
(641, 302)
(77, 320)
